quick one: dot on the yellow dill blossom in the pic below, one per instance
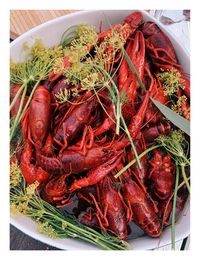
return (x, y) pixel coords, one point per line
(82, 69)
(75, 92)
(90, 81)
(176, 144)
(42, 52)
(19, 207)
(80, 46)
(107, 49)
(39, 62)
(178, 135)
(46, 229)
(178, 106)
(31, 189)
(20, 72)
(116, 41)
(87, 33)
(15, 174)
(171, 80)
(64, 95)
(14, 210)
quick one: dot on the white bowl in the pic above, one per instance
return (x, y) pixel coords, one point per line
(51, 33)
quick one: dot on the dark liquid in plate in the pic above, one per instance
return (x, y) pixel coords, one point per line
(79, 205)
(134, 231)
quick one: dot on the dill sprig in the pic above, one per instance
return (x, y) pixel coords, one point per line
(38, 63)
(171, 80)
(125, 168)
(82, 70)
(177, 145)
(25, 200)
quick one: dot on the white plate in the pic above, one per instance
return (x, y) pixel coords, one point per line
(51, 33)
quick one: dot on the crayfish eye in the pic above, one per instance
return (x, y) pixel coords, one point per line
(59, 183)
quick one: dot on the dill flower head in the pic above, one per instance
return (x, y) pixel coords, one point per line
(171, 80)
(177, 107)
(31, 189)
(19, 207)
(83, 68)
(79, 47)
(46, 229)
(15, 174)
(177, 145)
(38, 63)
(64, 95)
(42, 52)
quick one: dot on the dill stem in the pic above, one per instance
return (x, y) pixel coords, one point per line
(17, 95)
(84, 233)
(118, 117)
(170, 198)
(174, 208)
(18, 118)
(119, 65)
(118, 97)
(29, 99)
(96, 93)
(131, 141)
(134, 161)
(55, 218)
(185, 177)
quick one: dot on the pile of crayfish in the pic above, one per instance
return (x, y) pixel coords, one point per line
(72, 148)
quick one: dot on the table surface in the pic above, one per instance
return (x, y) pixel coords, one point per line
(23, 20)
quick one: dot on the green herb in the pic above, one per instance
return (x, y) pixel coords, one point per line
(64, 95)
(68, 36)
(176, 144)
(174, 208)
(134, 160)
(177, 107)
(171, 81)
(77, 40)
(50, 221)
(82, 70)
